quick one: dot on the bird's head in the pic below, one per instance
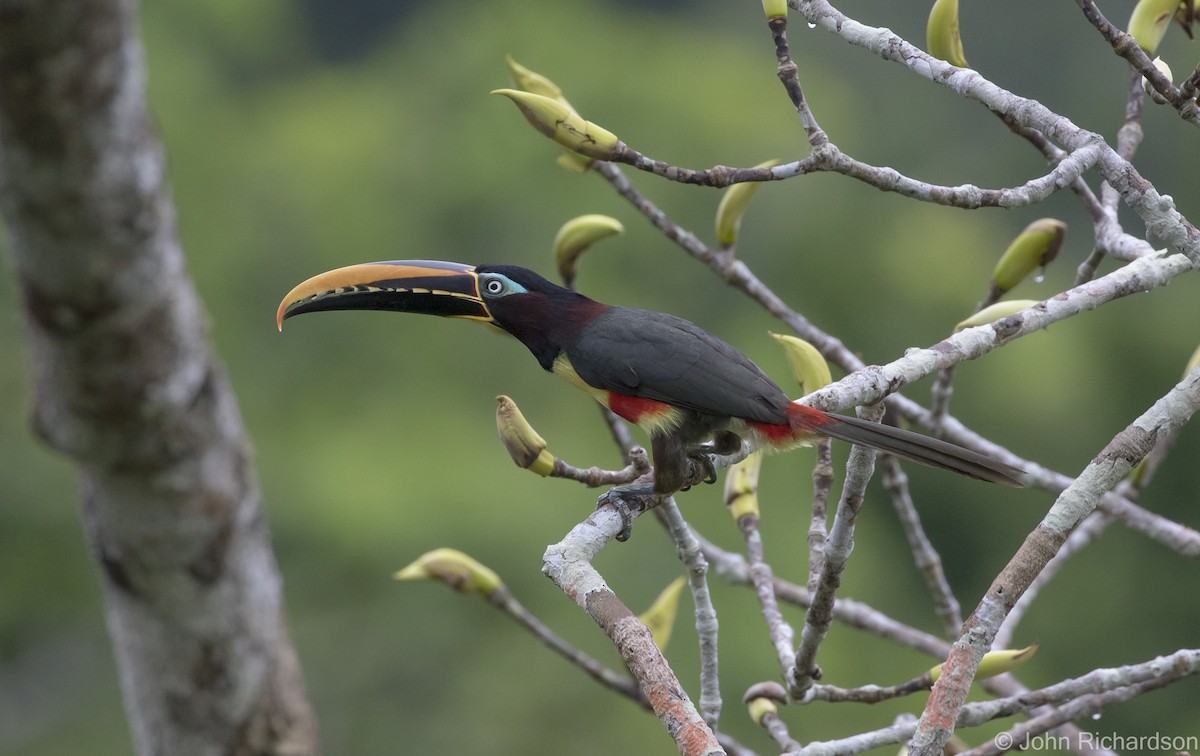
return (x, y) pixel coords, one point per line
(539, 313)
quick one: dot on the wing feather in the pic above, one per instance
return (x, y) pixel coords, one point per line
(668, 359)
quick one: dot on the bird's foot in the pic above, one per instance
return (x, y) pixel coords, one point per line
(703, 469)
(627, 501)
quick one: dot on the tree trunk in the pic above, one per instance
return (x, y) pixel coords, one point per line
(126, 385)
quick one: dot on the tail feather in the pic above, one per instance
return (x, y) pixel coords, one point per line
(918, 448)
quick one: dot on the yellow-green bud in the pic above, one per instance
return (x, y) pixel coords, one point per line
(1193, 363)
(1149, 21)
(574, 162)
(576, 235)
(455, 569)
(564, 125)
(761, 699)
(532, 81)
(941, 33)
(759, 708)
(809, 367)
(775, 8)
(995, 312)
(733, 206)
(660, 617)
(996, 662)
(1150, 91)
(1033, 248)
(523, 443)
(741, 487)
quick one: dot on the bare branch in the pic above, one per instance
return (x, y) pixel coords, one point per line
(568, 564)
(693, 560)
(1072, 506)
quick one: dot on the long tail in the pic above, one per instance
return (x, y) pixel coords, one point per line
(902, 443)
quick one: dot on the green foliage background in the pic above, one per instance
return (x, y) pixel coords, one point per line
(302, 138)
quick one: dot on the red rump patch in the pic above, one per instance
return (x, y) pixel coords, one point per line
(802, 421)
(635, 409)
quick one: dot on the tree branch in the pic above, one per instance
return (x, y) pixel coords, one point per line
(129, 390)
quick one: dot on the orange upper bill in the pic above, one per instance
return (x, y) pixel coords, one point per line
(422, 286)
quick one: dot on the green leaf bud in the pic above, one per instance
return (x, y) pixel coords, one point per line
(455, 569)
(941, 33)
(996, 662)
(660, 617)
(809, 367)
(995, 312)
(734, 202)
(1033, 248)
(524, 445)
(532, 81)
(741, 487)
(1149, 21)
(562, 124)
(775, 8)
(761, 699)
(1149, 89)
(576, 235)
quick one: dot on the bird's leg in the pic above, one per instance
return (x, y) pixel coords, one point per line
(672, 463)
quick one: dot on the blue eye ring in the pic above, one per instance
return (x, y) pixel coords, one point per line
(493, 286)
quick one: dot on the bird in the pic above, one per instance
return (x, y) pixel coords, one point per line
(690, 391)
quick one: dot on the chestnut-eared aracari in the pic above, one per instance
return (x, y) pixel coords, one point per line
(690, 391)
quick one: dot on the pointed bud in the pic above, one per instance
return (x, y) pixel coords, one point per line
(532, 81)
(574, 162)
(775, 8)
(995, 312)
(660, 617)
(1193, 363)
(455, 569)
(576, 235)
(524, 445)
(761, 699)
(741, 487)
(564, 125)
(1149, 89)
(1149, 21)
(733, 206)
(1033, 248)
(942, 38)
(996, 662)
(809, 367)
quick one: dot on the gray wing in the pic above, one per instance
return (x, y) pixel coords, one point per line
(668, 359)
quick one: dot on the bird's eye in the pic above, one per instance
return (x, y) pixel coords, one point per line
(493, 286)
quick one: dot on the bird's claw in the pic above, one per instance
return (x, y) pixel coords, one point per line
(618, 498)
(706, 466)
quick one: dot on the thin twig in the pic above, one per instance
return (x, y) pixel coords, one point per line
(925, 556)
(838, 545)
(1127, 47)
(822, 483)
(1164, 669)
(503, 599)
(692, 557)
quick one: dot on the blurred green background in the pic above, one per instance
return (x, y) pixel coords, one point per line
(305, 136)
